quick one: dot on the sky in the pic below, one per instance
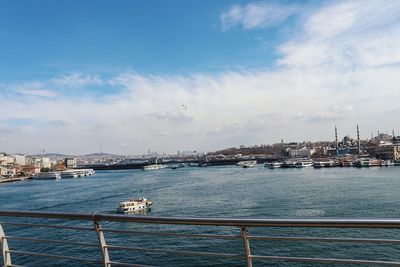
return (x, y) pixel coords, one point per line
(129, 76)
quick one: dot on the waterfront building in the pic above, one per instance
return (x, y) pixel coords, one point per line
(29, 170)
(70, 162)
(6, 159)
(303, 152)
(388, 152)
(8, 171)
(20, 159)
(45, 162)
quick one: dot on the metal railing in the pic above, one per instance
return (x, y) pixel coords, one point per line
(241, 226)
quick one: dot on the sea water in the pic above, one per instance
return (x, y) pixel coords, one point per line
(226, 191)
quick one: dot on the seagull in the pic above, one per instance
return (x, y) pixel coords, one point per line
(184, 106)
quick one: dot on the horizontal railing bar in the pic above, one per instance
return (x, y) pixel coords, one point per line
(183, 252)
(52, 241)
(323, 223)
(113, 263)
(325, 260)
(323, 239)
(48, 226)
(173, 234)
(53, 256)
(53, 215)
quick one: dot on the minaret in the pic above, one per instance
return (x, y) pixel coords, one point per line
(393, 132)
(358, 140)
(336, 141)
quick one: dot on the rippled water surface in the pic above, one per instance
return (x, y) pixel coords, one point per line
(227, 191)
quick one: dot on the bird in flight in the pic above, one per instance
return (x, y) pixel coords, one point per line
(184, 106)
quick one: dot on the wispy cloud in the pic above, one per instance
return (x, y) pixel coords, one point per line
(346, 34)
(255, 15)
(76, 80)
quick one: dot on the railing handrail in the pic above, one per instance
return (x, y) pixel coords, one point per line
(210, 221)
(243, 223)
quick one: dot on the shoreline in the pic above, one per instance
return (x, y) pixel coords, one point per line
(14, 179)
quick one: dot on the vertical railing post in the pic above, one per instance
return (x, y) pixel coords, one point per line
(103, 245)
(4, 248)
(246, 245)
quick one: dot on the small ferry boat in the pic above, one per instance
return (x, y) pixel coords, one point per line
(68, 174)
(177, 166)
(47, 176)
(320, 164)
(194, 164)
(366, 162)
(248, 164)
(153, 167)
(133, 205)
(387, 163)
(273, 165)
(304, 163)
(346, 163)
(288, 164)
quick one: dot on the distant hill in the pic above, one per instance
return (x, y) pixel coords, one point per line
(59, 155)
(51, 155)
(99, 155)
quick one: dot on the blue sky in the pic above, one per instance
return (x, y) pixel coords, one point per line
(249, 72)
(40, 38)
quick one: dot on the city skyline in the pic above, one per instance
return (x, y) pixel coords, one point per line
(183, 75)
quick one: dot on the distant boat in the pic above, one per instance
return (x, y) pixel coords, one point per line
(322, 164)
(387, 163)
(133, 205)
(248, 164)
(177, 166)
(47, 176)
(193, 164)
(304, 163)
(366, 162)
(273, 165)
(153, 167)
(288, 164)
(69, 174)
(346, 163)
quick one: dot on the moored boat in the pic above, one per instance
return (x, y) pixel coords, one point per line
(153, 167)
(68, 174)
(288, 164)
(366, 162)
(47, 176)
(249, 164)
(387, 163)
(274, 165)
(304, 163)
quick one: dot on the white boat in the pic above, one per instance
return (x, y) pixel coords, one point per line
(274, 165)
(68, 174)
(153, 167)
(47, 176)
(387, 163)
(247, 163)
(133, 205)
(193, 164)
(304, 163)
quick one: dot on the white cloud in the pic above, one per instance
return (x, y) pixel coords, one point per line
(346, 34)
(255, 15)
(338, 73)
(76, 80)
